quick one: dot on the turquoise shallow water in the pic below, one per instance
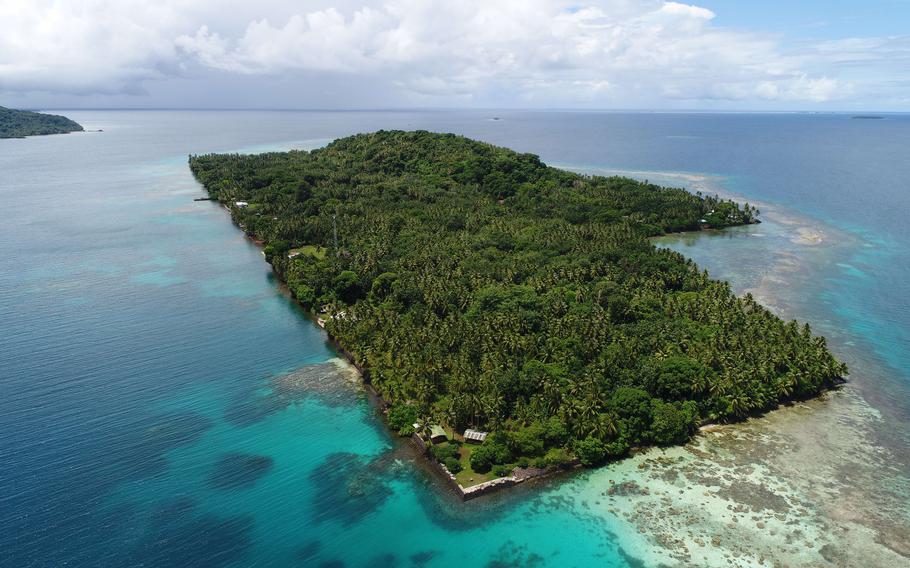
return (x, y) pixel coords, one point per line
(148, 416)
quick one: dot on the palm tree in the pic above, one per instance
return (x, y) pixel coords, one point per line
(740, 403)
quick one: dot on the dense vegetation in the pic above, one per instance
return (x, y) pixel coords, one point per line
(481, 288)
(21, 123)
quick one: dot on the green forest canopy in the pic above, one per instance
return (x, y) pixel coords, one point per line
(21, 123)
(480, 287)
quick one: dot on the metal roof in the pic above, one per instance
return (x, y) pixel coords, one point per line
(475, 435)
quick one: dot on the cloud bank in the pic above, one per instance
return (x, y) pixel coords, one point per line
(509, 52)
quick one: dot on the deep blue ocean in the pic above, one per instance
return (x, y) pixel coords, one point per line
(164, 403)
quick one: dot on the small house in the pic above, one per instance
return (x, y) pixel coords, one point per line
(437, 434)
(241, 203)
(475, 436)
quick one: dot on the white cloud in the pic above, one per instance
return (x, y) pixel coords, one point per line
(552, 52)
(478, 46)
(87, 46)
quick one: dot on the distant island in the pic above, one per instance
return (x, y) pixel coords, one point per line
(22, 123)
(515, 317)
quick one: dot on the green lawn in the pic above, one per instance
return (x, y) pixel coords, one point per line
(466, 475)
(310, 250)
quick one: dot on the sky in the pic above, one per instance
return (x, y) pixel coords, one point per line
(775, 55)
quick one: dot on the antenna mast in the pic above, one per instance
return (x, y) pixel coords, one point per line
(335, 233)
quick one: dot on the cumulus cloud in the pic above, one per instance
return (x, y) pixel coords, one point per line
(560, 49)
(607, 52)
(84, 47)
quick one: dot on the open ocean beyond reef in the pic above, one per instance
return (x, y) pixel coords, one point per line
(164, 403)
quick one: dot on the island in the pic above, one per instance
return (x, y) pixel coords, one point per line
(515, 318)
(22, 123)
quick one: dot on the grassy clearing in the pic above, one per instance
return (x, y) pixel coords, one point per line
(309, 250)
(467, 476)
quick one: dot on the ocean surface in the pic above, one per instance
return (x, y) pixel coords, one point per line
(164, 403)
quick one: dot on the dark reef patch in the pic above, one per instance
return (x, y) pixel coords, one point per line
(756, 497)
(308, 551)
(172, 511)
(142, 453)
(511, 555)
(239, 471)
(323, 381)
(334, 385)
(347, 488)
(632, 561)
(250, 405)
(171, 431)
(423, 558)
(386, 560)
(175, 538)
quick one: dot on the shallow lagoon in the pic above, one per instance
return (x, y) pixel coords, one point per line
(166, 404)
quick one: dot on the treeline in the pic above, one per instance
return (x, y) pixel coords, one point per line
(21, 123)
(482, 288)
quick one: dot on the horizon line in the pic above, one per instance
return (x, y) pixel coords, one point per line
(470, 109)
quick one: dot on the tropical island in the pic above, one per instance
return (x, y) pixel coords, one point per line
(515, 316)
(22, 123)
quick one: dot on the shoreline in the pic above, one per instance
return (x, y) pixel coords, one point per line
(821, 482)
(801, 486)
(376, 400)
(818, 463)
(518, 476)
(421, 447)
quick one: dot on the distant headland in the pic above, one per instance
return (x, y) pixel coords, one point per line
(22, 123)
